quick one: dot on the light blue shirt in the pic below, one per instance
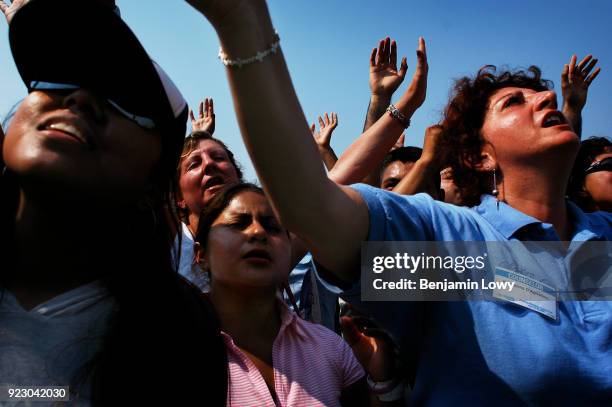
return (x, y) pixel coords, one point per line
(315, 303)
(492, 353)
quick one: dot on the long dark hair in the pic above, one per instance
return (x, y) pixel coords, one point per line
(163, 344)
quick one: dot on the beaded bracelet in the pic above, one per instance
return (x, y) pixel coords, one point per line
(240, 62)
(395, 113)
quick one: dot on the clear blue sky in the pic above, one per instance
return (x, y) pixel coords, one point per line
(327, 46)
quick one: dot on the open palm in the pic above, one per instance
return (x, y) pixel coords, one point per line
(385, 78)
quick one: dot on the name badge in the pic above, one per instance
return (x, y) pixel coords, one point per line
(527, 292)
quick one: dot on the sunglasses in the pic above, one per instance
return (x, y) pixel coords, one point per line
(597, 166)
(143, 122)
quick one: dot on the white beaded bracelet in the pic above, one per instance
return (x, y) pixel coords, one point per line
(240, 62)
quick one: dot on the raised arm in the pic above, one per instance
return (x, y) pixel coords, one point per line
(370, 148)
(206, 117)
(575, 82)
(421, 177)
(323, 139)
(333, 220)
(385, 78)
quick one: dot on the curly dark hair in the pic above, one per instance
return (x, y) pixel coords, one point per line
(464, 117)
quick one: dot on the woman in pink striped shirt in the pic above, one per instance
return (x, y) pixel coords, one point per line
(275, 358)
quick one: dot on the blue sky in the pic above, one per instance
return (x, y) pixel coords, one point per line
(327, 46)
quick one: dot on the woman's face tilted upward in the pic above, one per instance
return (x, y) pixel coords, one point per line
(73, 143)
(203, 172)
(522, 124)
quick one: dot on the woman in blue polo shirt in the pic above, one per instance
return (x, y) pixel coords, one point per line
(514, 156)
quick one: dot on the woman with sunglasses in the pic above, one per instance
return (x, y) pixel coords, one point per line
(89, 299)
(590, 184)
(512, 150)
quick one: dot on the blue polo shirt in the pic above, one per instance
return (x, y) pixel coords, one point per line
(484, 352)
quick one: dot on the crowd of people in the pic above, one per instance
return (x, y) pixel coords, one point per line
(138, 266)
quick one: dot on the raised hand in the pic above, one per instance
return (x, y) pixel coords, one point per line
(575, 82)
(423, 175)
(576, 79)
(415, 95)
(271, 122)
(206, 118)
(9, 8)
(385, 78)
(323, 138)
(432, 145)
(326, 128)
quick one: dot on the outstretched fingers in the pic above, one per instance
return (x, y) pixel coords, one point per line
(380, 53)
(584, 61)
(422, 54)
(386, 51)
(403, 68)
(589, 67)
(373, 57)
(209, 108)
(590, 78)
(572, 67)
(393, 55)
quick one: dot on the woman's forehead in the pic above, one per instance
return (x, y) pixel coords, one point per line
(208, 145)
(205, 146)
(249, 202)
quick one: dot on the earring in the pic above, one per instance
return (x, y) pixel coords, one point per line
(495, 191)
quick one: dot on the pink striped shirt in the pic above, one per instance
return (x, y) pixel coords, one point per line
(311, 367)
